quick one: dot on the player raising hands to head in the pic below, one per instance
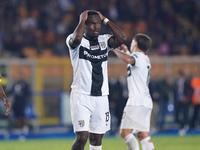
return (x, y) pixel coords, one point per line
(89, 97)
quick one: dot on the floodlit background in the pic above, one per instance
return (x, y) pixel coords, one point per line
(32, 44)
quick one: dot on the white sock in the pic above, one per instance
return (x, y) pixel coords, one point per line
(131, 142)
(95, 147)
(146, 145)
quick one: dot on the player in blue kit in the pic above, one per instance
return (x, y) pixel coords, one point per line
(89, 97)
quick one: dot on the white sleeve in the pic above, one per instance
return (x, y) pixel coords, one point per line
(67, 43)
(108, 36)
(136, 57)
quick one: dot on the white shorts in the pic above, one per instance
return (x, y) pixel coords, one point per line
(90, 113)
(136, 118)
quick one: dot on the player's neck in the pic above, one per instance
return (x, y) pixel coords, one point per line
(89, 37)
(138, 50)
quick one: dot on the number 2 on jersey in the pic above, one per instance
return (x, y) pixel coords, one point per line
(148, 75)
(129, 71)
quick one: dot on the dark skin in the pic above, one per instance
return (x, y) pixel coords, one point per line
(6, 101)
(90, 27)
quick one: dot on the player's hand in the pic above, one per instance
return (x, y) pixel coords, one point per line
(8, 107)
(84, 15)
(101, 16)
(123, 47)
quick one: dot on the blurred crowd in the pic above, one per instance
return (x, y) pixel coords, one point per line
(176, 101)
(41, 26)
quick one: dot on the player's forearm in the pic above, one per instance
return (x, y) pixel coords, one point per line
(117, 32)
(77, 34)
(123, 56)
(2, 94)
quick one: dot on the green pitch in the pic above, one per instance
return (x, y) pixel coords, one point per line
(161, 143)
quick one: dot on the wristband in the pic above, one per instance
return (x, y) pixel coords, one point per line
(105, 21)
(127, 52)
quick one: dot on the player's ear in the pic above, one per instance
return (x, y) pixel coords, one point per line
(136, 44)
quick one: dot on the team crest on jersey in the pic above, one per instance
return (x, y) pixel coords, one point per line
(103, 45)
(81, 123)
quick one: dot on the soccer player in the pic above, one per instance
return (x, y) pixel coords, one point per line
(137, 112)
(89, 96)
(6, 101)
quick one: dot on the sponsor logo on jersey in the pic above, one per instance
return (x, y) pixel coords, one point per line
(95, 47)
(95, 56)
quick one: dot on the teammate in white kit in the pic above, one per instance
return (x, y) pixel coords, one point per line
(89, 96)
(137, 112)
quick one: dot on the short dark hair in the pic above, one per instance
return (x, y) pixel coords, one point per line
(143, 41)
(92, 13)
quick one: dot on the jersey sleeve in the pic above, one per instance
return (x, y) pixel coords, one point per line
(67, 43)
(108, 37)
(136, 57)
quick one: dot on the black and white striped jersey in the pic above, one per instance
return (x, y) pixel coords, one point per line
(89, 62)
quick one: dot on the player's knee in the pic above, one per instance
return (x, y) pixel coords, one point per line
(124, 132)
(81, 138)
(139, 136)
(142, 135)
(81, 141)
(95, 139)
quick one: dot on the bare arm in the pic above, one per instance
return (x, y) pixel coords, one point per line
(123, 55)
(6, 101)
(120, 38)
(78, 32)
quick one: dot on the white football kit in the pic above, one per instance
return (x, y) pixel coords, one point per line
(139, 105)
(89, 97)
(89, 62)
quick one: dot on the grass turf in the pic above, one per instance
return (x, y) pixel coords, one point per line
(160, 142)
